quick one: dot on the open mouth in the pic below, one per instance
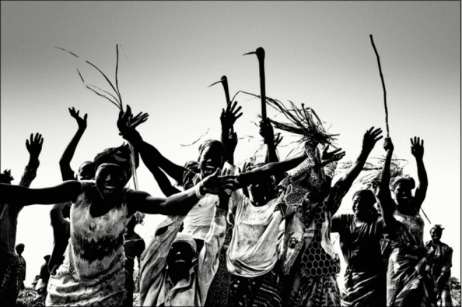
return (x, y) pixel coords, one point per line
(109, 189)
(208, 170)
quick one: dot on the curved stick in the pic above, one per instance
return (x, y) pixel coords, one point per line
(383, 86)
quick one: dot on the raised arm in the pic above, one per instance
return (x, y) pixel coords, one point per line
(65, 162)
(131, 135)
(18, 195)
(383, 194)
(257, 174)
(147, 152)
(209, 256)
(417, 150)
(267, 132)
(228, 137)
(34, 147)
(370, 138)
(180, 203)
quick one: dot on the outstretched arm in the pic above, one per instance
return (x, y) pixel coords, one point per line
(131, 135)
(65, 162)
(228, 137)
(267, 132)
(260, 173)
(180, 203)
(17, 195)
(417, 150)
(383, 194)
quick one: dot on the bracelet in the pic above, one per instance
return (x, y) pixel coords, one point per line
(198, 191)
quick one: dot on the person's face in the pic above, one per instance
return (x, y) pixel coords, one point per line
(110, 181)
(180, 256)
(86, 171)
(436, 234)
(361, 204)
(209, 160)
(260, 191)
(403, 193)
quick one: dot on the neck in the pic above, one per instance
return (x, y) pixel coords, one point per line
(436, 241)
(176, 276)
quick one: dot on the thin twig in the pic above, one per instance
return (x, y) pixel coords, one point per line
(383, 86)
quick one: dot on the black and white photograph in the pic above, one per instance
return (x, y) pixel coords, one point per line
(230, 153)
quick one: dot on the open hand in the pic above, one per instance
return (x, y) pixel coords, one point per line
(34, 145)
(370, 138)
(214, 184)
(125, 125)
(417, 147)
(230, 115)
(82, 122)
(333, 156)
(388, 145)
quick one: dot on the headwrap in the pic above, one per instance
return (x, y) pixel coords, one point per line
(182, 237)
(117, 155)
(367, 195)
(437, 227)
(217, 144)
(407, 179)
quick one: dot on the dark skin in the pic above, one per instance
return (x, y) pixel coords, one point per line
(87, 170)
(436, 234)
(181, 255)
(258, 178)
(65, 162)
(228, 138)
(362, 210)
(209, 161)
(406, 203)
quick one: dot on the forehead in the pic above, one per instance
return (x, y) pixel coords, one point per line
(211, 150)
(181, 246)
(105, 169)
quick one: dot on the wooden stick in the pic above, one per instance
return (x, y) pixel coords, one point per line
(383, 86)
(261, 62)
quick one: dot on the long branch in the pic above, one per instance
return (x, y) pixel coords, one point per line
(383, 86)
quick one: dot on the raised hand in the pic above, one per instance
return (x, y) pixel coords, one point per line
(388, 145)
(126, 129)
(214, 184)
(266, 131)
(370, 138)
(230, 115)
(333, 156)
(34, 145)
(417, 147)
(138, 119)
(82, 122)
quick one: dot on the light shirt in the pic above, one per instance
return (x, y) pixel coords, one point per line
(253, 248)
(156, 289)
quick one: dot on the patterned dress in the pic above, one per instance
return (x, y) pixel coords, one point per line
(365, 279)
(310, 264)
(439, 257)
(93, 271)
(407, 283)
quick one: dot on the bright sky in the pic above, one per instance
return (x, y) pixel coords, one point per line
(317, 53)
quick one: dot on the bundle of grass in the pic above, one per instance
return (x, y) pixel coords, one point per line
(116, 99)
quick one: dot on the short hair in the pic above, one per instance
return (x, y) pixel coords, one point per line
(19, 245)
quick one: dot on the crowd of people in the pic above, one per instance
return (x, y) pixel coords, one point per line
(256, 235)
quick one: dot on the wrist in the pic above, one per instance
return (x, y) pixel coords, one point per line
(199, 190)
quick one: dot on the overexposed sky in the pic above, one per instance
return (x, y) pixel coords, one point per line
(317, 53)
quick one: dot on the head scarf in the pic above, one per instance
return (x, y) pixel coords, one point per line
(182, 237)
(367, 195)
(117, 155)
(400, 179)
(437, 227)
